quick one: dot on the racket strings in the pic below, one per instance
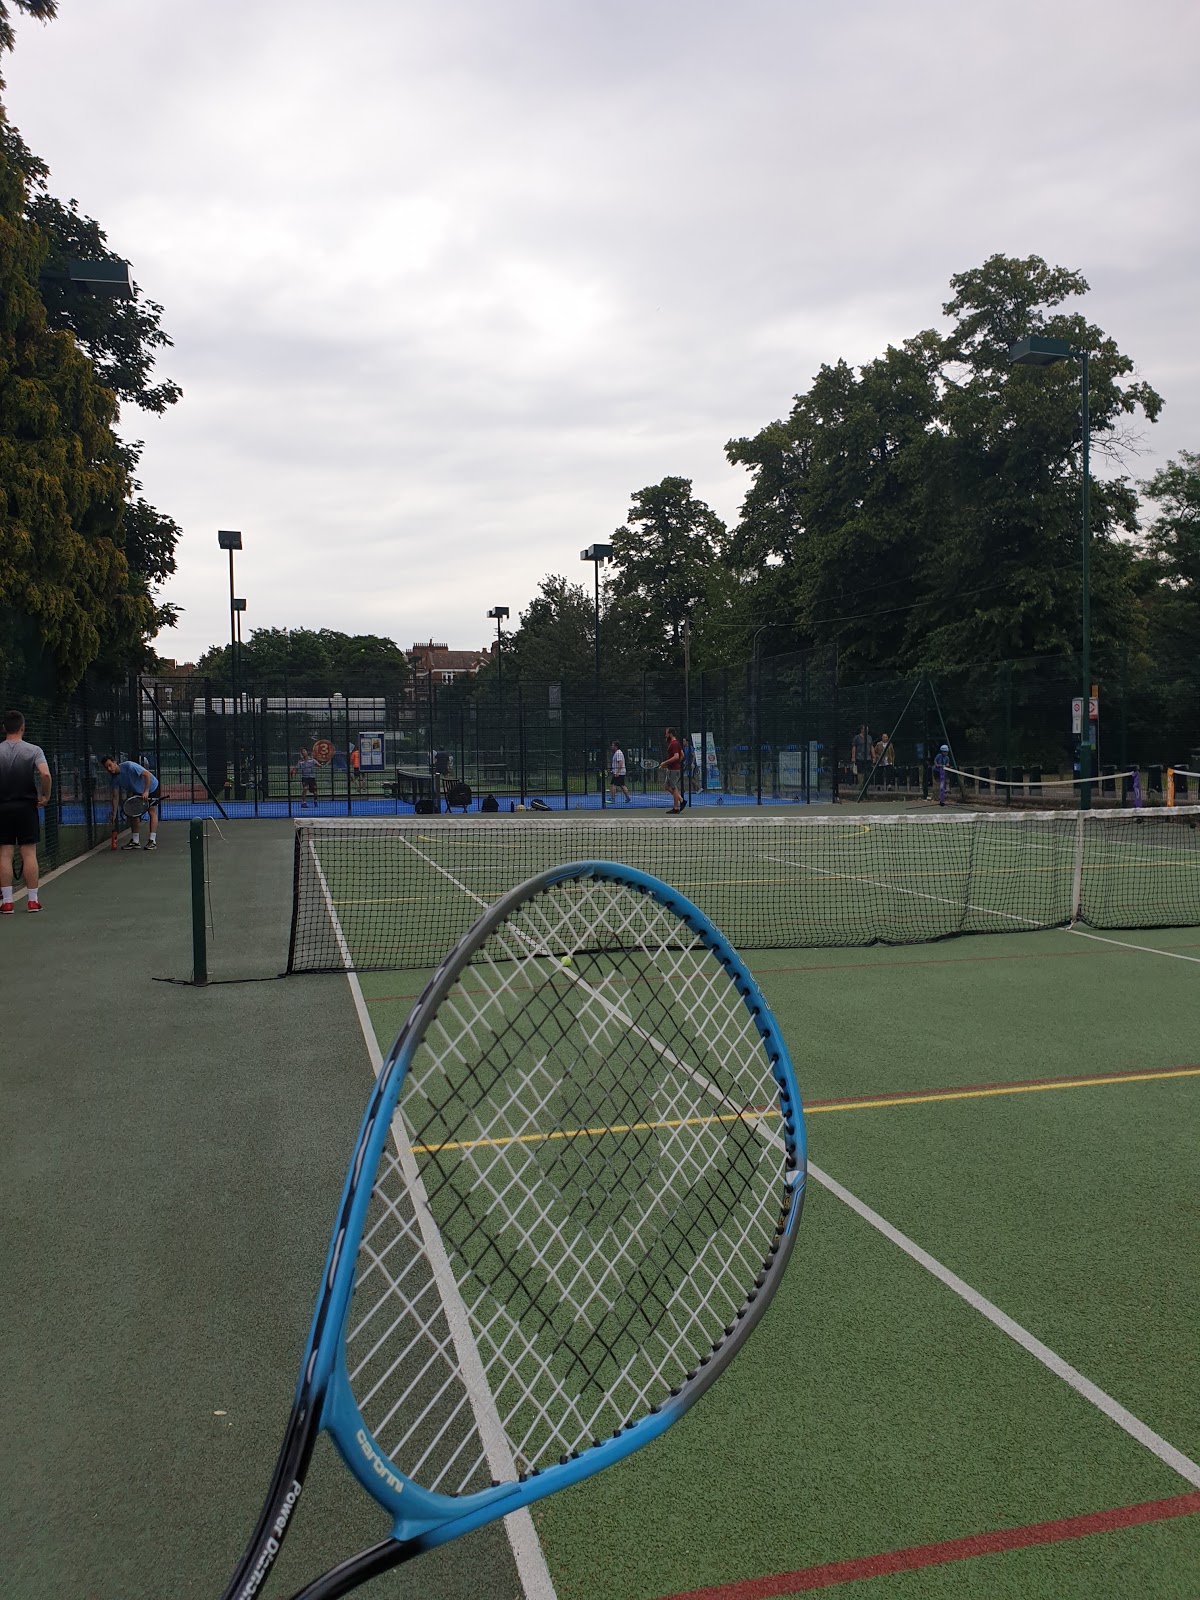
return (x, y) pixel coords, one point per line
(595, 1142)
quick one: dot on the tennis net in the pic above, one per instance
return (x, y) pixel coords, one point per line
(396, 893)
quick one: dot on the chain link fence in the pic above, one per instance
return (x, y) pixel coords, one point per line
(778, 730)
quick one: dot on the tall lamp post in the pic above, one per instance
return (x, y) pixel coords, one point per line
(229, 539)
(239, 777)
(1040, 351)
(499, 613)
(597, 554)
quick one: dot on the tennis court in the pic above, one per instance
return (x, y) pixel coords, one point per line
(978, 1376)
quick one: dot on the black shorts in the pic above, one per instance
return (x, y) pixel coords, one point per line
(19, 822)
(618, 780)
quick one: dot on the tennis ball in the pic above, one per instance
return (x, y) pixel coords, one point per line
(566, 961)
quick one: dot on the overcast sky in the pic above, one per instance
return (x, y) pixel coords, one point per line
(449, 280)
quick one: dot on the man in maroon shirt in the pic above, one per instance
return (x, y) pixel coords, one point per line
(671, 769)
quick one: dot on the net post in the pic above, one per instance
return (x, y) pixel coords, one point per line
(1077, 874)
(1170, 786)
(291, 957)
(199, 932)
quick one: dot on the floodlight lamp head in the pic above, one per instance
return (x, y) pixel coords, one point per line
(597, 553)
(100, 280)
(239, 605)
(229, 539)
(1039, 351)
(498, 611)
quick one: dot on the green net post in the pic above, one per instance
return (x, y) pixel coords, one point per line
(199, 930)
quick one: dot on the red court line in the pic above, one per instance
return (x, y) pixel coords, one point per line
(933, 1555)
(858, 966)
(1008, 1083)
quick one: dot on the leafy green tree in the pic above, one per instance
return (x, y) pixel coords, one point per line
(832, 522)
(311, 661)
(42, 10)
(1008, 524)
(922, 512)
(1171, 570)
(66, 593)
(83, 550)
(122, 337)
(663, 560)
(1174, 535)
(555, 641)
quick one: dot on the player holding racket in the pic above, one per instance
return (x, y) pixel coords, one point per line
(138, 782)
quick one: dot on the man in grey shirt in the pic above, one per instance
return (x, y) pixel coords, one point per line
(24, 786)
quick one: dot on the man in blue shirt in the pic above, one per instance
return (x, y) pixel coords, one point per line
(132, 777)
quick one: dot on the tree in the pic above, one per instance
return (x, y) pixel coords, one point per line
(63, 568)
(122, 337)
(834, 518)
(922, 512)
(311, 661)
(1171, 588)
(1174, 535)
(80, 556)
(663, 562)
(1009, 523)
(555, 641)
(43, 10)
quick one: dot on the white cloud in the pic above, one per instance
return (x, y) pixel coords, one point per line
(448, 281)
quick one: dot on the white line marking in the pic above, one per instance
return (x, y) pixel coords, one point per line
(528, 1555)
(47, 877)
(1123, 944)
(1133, 1426)
(1155, 1443)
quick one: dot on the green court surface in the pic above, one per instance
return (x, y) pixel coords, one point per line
(1022, 1107)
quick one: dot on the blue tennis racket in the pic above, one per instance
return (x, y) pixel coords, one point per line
(574, 1193)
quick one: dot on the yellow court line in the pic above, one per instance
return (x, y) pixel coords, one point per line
(593, 1133)
(1008, 1088)
(809, 1111)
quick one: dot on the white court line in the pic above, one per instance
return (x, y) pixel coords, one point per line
(1155, 1443)
(1030, 923)
(530, 1561)
(1123, 944)
(48, 877)
(1125, 1419)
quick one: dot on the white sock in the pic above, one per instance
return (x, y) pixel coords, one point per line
(6, 894)
(33, 897)
(137, 838)
(153, 838)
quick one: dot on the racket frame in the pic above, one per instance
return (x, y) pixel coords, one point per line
(423, 1518)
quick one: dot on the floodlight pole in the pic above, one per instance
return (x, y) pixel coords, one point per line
(500, 612)
(1039, 351)
(597, 554)
(230, 539)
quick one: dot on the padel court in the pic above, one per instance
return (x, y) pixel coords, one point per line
(978, 1376)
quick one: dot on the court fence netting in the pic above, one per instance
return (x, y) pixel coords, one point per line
(397, 893)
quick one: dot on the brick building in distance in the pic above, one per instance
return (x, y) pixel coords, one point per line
(446, 665)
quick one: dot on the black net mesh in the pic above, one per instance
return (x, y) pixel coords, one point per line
(398, 893)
